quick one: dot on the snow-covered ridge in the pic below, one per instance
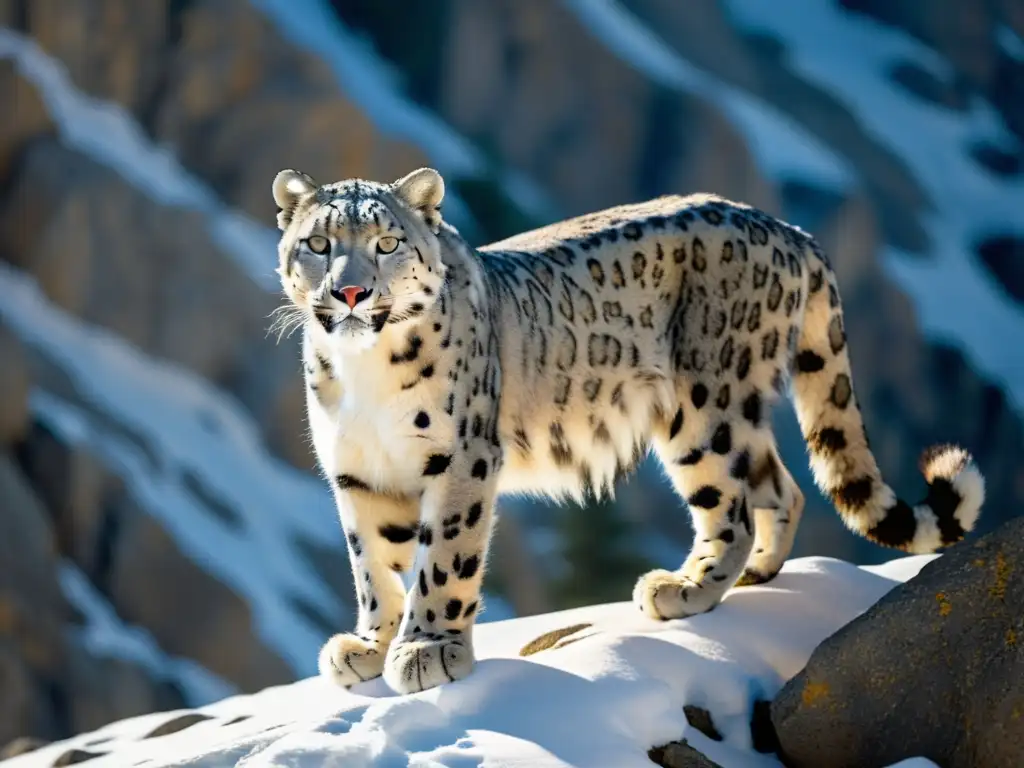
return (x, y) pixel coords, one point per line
(600, 698)
(849, 56)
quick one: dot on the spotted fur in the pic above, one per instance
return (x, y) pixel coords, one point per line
(551, 362)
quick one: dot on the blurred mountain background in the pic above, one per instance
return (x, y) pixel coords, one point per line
(164, 537)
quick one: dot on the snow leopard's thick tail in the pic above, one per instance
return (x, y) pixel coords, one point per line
(841, 459)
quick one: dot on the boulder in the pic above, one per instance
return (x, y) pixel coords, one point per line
(934, 669)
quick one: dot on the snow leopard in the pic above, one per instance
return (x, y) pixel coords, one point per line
(440, 376)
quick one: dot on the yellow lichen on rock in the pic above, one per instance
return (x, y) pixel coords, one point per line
(1002, 577)
(813, 692)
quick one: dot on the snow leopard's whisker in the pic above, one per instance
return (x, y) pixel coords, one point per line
(286, 319)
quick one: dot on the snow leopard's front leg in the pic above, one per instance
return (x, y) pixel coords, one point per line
(435, 643)
(381, 532)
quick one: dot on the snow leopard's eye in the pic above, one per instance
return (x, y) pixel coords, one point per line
(319, 244)
(387, 244)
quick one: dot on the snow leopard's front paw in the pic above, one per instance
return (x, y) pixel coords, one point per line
(663, 595)
(427, 659)
(347, 659)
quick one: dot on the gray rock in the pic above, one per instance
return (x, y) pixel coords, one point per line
(75, 756)
(679, 754)
(177, 723)
(934, 669)
(701, 719)
(552, 639)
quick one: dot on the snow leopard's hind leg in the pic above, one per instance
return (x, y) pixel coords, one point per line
(706, 456)
(777, 505)
(381, 532)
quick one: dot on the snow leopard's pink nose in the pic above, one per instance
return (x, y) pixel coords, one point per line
(351, 295)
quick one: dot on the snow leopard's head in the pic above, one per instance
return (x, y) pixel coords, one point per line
(357, 256)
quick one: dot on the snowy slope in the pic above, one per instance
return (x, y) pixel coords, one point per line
(849, 57)
(613, 691)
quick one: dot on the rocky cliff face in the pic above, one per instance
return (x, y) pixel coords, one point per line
(534, 111)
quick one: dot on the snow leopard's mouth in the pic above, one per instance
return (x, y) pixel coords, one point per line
(330, 322)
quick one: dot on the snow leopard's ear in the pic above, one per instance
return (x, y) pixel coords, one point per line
(290, 189)
(422, 190)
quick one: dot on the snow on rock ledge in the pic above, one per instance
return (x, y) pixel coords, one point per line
(601, 695)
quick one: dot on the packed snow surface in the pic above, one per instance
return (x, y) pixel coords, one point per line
(601, 697)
